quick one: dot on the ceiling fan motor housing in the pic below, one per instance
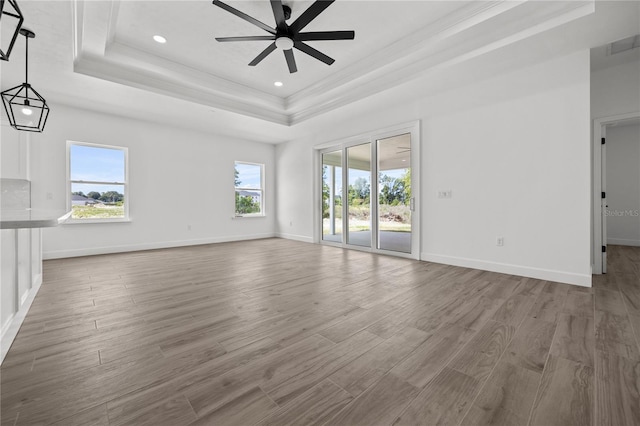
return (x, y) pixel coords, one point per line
(287, 37)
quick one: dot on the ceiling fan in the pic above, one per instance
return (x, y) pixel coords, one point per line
(285, 36)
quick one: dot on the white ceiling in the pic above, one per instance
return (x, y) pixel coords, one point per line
(100, 55)
(190, 28)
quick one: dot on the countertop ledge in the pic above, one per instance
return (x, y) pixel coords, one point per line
(32, 218)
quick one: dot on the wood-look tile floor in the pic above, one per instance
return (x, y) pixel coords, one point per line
(275, 332)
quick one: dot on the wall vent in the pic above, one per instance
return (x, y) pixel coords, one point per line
(623, 45)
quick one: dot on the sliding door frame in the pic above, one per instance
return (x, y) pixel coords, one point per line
(412, 128)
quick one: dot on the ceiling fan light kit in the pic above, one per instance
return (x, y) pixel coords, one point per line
(11, 18)
(26, 109)
(287, 37)
(284, 43)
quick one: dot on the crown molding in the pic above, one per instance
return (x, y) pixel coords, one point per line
(99, 55)
(135, 58)
(473, 30)
(411, 46)
(99, 67)
(523, 22)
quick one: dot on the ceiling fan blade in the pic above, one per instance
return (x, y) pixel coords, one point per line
(313, 52)
(244, 16)
(310, 14)
(246, 38)
(291, 61)
(263, 55)
(278, 13)
(326, 35)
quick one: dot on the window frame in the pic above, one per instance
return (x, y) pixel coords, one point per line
(125, 184)
(241, 188)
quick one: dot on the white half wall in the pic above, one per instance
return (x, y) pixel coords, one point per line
(177, 179)
(20, 249)
(623, 185)
(514, 149)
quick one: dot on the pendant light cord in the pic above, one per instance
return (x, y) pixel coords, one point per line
(26, 62)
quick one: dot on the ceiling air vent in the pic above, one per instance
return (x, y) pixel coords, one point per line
(623, 45)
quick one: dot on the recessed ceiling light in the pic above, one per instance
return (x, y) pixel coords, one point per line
(278, 84)
(159, 39)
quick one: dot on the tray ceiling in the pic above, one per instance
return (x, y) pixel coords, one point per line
(83, 47)
(395, 42)
(190, 28)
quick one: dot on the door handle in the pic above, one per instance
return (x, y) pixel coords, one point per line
(412, 204)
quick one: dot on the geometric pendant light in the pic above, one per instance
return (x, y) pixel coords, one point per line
(26, 109)
(11, 20)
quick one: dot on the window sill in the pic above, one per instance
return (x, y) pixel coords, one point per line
(94, 221)
(248, 216)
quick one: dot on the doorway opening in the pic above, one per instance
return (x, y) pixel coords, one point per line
(616, 184)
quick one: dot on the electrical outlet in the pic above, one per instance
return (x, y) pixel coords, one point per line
(500, 241)
(49, 195)
(445, 193)
(290, 223)
(188, 227)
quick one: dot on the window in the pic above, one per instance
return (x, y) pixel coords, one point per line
(97, 182)
(248, 184)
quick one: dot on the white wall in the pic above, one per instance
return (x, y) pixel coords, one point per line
(14, 152)
(615, 90)
(177, 178)
(623, 185)
(515, 150)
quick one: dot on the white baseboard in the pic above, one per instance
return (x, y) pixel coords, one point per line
(623, 242)
(582, 280)
(12, 326)
(294, 237)
(59, 254)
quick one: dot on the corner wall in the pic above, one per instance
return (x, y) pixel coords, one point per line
(515, 151)
(177, 178)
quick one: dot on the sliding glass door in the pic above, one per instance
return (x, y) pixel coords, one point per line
(368, 193)
(332, 196)
(359, 195)
(394, 193)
